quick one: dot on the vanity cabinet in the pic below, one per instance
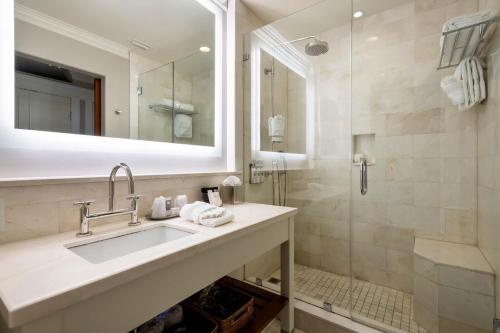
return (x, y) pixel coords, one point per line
(120, 300)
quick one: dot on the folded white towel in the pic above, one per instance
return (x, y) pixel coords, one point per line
(183, 126)
(469, 19)
(461, 22)
(185, 107)
(167, 102)
(206, 214)
(276, 126)
(453, 89)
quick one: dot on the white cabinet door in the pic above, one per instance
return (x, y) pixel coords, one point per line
(46, 112)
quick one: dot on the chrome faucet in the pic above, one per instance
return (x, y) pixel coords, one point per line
(86, 216)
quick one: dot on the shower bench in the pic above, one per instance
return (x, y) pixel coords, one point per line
(453, 287)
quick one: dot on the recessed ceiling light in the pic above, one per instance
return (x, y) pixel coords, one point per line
(204, 49)
(358, 14)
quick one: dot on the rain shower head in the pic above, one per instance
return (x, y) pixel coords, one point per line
(314, 48)
(317, 47)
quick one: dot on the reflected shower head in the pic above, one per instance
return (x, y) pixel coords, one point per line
(316, 47)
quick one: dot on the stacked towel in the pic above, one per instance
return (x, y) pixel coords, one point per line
(468, 20)
(169, 103)
(206, 214)
(462, 22)
(276, 126)
(183, 126)
(466, 88)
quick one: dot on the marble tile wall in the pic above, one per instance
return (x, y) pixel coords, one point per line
(424, 181)
(450, 299)
(44, 209)
(489, 160)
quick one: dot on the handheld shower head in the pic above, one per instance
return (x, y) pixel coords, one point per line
(314, 48)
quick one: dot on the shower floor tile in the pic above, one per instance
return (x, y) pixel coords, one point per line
(392, 308)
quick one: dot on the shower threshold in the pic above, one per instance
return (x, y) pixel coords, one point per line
(384, 308)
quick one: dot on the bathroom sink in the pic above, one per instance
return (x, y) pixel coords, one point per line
(117, 246)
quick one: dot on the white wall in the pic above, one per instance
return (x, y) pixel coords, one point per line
(41, 43)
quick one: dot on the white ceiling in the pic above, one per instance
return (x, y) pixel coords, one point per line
(317, 13)
(271, 10)
(174, 28)
(326, 15)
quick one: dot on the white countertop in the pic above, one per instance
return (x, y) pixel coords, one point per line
(41, 276)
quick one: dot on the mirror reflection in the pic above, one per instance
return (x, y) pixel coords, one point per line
(128, 69)
(283, 107)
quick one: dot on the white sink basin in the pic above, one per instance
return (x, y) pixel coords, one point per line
(120, 245)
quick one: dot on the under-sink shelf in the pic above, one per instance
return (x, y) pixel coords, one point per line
(267, 305)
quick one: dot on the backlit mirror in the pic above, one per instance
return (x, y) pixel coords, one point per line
(117, 68)
(281, 94)
(282, 107)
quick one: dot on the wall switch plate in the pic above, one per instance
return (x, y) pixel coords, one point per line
(2, 215)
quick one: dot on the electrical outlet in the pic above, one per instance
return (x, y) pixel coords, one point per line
(2, 215)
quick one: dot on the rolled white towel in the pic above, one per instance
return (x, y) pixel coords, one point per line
(206, 214)
(461, 75)
(470, 82)
(482, 82)
(476, 82)
(470, 74)
(215, 222)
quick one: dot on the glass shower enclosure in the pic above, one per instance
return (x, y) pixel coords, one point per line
(391, 160)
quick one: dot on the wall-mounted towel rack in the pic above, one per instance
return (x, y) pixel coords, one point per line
(166, 108)
(460, 43)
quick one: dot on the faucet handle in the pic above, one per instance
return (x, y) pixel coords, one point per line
(84, 203)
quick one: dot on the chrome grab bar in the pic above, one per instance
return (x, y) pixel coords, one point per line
(363, 176)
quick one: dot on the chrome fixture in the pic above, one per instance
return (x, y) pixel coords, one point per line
(279, 181)
(314, 48)
(86, 216)
(363, 174)
(268, 71)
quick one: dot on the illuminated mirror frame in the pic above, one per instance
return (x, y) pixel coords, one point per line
(268, 39)
(202, 158)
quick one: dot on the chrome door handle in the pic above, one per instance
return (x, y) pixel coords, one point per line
(363, 176)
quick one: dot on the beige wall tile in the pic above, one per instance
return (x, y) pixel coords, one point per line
(466, 307)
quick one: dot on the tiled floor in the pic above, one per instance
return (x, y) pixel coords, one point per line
(372, 303)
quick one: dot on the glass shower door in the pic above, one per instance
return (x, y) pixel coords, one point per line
(320, 191)
(421, 160)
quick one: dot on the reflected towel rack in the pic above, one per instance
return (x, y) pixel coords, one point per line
(458, 43)
(166, 108)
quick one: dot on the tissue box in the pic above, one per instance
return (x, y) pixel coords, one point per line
(227, 194)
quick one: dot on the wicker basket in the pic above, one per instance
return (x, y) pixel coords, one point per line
(234, 322)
